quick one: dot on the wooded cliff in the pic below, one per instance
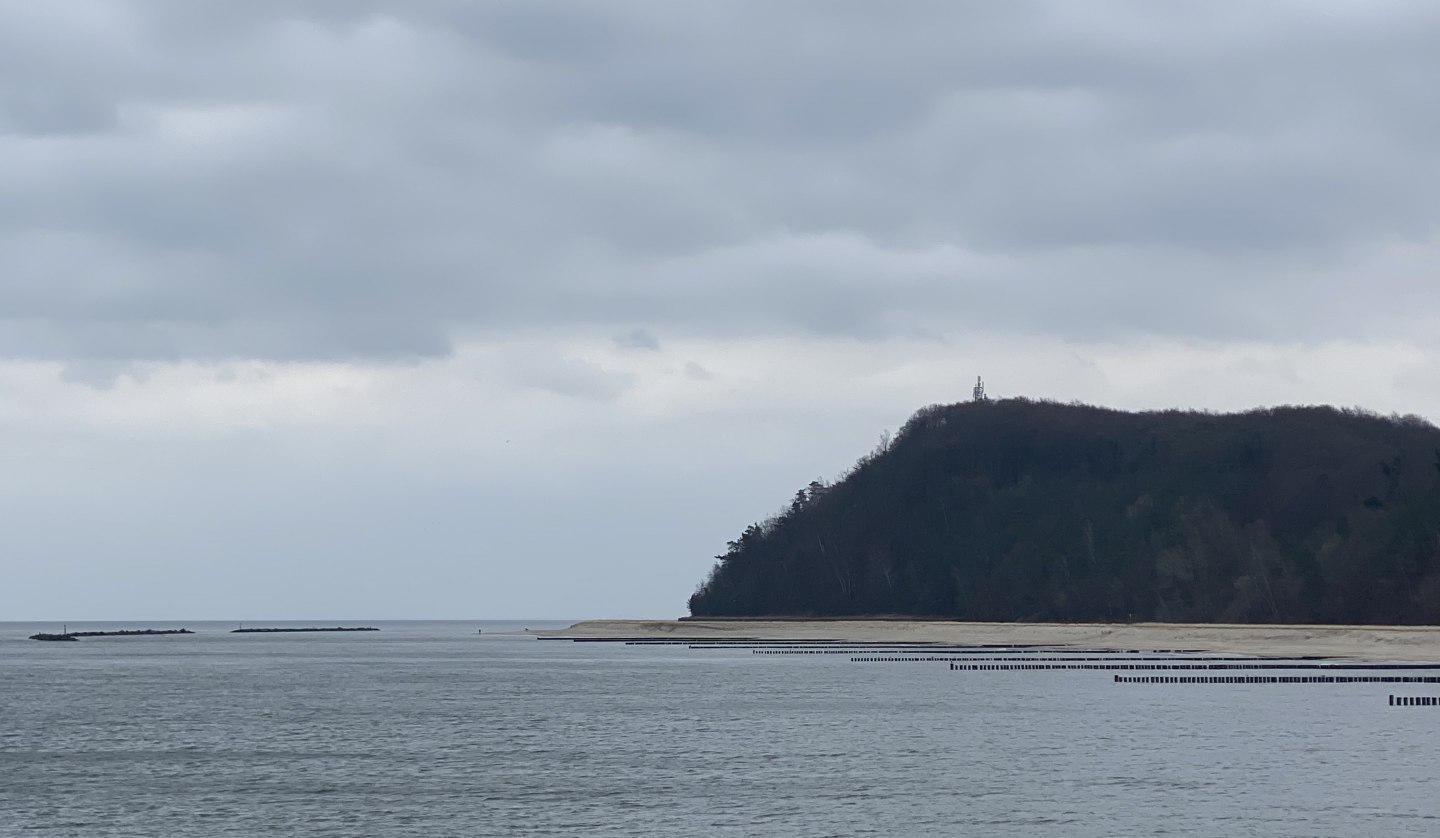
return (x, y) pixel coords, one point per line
(1038, 511)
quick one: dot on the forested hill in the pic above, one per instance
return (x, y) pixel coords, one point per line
(1022, 510)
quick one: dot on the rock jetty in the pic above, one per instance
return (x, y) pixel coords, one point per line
(75, 635)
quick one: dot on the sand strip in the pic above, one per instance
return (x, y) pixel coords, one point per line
(1377, 643)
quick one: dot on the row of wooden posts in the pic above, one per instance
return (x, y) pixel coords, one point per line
(1277, 679)
(988, 659)
(993, 667)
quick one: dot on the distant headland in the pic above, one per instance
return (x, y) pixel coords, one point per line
(1034, 511)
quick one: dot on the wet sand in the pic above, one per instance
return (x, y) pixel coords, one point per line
(1375, 643)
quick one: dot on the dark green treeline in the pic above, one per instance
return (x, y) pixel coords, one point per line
(1023, 510)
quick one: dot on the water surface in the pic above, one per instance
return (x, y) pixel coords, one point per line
(430, 729)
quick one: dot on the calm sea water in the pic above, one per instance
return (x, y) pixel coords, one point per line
(429, 729)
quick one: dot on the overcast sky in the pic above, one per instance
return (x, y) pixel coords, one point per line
(430, 308)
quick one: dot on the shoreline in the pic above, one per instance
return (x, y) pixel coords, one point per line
(1372, 643)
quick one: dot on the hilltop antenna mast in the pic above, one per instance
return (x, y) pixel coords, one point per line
(978, 394)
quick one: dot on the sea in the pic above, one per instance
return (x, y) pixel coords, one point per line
(434, 729)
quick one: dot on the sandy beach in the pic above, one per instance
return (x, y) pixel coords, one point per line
(1377, 643)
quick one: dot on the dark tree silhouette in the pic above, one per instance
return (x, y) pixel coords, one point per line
(1025, 510)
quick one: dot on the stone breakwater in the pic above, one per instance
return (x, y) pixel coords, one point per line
(75, 635)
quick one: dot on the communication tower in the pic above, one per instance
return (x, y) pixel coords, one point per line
(978, 393)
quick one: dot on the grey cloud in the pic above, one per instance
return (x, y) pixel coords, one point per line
(378, 180)
(574, 378)
(27, 112)
(637, 339)
(98, 375)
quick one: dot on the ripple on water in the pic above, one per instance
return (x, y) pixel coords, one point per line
(432, 731)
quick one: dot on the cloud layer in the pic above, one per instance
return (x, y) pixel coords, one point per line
(371, 180)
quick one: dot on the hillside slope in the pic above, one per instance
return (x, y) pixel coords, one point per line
(1022, 510)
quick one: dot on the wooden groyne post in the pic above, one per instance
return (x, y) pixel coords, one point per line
(1414, 701)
